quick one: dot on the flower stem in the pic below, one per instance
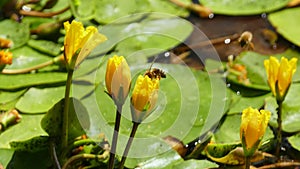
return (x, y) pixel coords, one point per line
(132, 134)
(279, 128)
(84, 156)
(65, 116)
(27, 70)
(247, 162)
(115, 138)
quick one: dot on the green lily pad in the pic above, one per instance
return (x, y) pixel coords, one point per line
(34, 144)
(290, 112)
(144, 34)
(16, 32)
(28, 128)
(195, 164)
(254, 63)
(26, 57)
(37, 100)
(12, 82)
(229, 132)
(243, 7)
(286, 23)
(76, 111)
(238, 103)
(35, 160)
(44, 46)
(295, 141)
(5, 156)
(108, 11)
(164, 161)
(10, 96)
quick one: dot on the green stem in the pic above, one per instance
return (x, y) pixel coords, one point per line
(247, 162)
(85, 156)
(27, 70)
(65, 118)
(115, 138)
(132, 134)
(279, 128)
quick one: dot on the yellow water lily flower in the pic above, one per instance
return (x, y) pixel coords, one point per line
(144, 97)
(280, 75)
(118, 79)
(5, 57)
(79, 42)
(253, 127)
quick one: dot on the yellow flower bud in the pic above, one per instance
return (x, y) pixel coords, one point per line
(79, 42)
(280, 75)
(5, 57)
(144, 97)
(118, 79)
(253, 127)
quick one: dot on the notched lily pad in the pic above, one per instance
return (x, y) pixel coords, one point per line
(17, 32)
(287, 24)
(32, 145)
(52, 121)
(243, 7)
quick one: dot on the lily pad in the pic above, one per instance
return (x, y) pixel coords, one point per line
(195, 164)
(12, 82)
(6, 155)
(37, 100)
(26, 57)
(291, 110)
(108, 11)
(147, 33)
(44, 46)
(295, 141)
(254, 63)
(286, 23)
(243, 7)
(17, 32)
(30, 123)
(229, 132)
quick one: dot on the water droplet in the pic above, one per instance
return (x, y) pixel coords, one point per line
(167, 54)
(227, 41)
(187, 146)
(26, 8)
(228, 85)
(199, 141)
(263, 15)
(196, 143)
(238, 93)
(211, 15)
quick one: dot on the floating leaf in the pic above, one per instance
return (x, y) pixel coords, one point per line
(295, 141)
(153, 32)
(6, 155)
(37, 100)
(12, 82)
(35, 160)
(10, 96)
(286, 23)
(243, 7)
(44, 46)
(195, 164)
(17, 32)
(34, 144)
(229, 132)
(28, 128)
(78, 119)
(26, 57)
(290, 112)
(102, 11)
